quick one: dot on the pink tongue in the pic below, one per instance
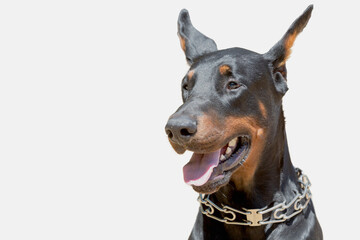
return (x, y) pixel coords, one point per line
(198, 171)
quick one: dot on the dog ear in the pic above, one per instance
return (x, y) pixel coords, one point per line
(279, 53)
(193, 43)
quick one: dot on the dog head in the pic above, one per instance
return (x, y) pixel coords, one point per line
(231, 102)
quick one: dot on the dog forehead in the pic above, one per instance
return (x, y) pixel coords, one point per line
(238, 59)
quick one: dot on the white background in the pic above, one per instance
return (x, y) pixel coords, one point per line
(86, 88)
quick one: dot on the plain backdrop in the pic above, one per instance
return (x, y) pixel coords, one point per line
(86, 88)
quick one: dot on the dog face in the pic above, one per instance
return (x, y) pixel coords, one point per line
(231, 99)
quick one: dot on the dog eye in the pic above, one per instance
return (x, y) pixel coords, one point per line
(233, 85)
(186, 87)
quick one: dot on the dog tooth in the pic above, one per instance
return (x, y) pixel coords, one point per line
(228, 151)
(222, 157)
(233, 142)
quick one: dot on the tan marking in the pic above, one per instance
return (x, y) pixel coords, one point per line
(262, 109)
(209, 135)
(289, 42)
(178, 148)
(190, 74)
(224, 69)
(243, 177)
(260, 133)
(182, 43)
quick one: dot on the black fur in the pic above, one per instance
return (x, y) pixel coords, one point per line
(208, 92)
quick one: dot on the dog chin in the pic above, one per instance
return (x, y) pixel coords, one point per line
(214, 185)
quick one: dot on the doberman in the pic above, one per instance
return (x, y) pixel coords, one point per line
(232, 119)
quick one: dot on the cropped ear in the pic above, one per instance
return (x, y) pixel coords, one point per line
(193, 43)
(279, 53)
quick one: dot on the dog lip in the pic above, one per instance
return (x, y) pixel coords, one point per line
(214, 185)
(215, 146)
(196, 146)
(179, 149)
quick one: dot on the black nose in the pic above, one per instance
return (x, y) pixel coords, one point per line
(180, 128)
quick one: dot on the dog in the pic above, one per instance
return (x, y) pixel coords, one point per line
(232, 119)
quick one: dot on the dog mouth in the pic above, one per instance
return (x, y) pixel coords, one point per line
(207, 172)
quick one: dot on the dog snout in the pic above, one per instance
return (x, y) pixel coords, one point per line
(180, 128)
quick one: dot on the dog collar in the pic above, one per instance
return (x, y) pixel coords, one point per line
(257, 217)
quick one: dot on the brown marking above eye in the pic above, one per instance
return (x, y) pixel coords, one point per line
(190, 74)
(224, 69)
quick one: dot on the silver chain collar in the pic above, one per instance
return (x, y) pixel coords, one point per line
(255, 217)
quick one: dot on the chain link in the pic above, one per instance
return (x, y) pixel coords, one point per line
(254, 217)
